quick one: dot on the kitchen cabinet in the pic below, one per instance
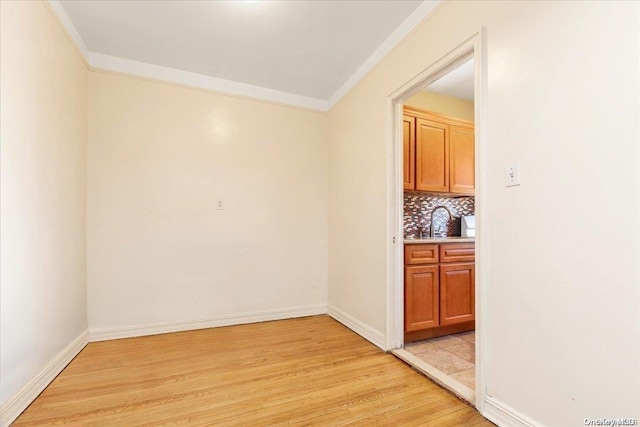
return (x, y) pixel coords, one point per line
(462, 160)
(443, 160)
(409, 151)
(457, 293)
(432, 156)
(422, 299)
(439, 289)
(421, 254)
(454, 252)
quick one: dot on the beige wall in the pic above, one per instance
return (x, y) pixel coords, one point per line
(443, 104)
(558, 316)
(158, 249)
(43, 124)
(159, 157)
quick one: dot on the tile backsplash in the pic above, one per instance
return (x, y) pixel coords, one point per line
(418, 208)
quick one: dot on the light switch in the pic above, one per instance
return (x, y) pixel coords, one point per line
(219, 205)
(512, 175)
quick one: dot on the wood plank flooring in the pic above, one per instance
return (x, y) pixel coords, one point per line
(301, 372)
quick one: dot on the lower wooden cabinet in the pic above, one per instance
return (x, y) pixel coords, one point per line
(438, 295)
(422, 302)
(457, 293)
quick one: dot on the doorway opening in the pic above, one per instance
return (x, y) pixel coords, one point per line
(435, 289)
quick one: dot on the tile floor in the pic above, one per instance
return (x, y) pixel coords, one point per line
(453, 354)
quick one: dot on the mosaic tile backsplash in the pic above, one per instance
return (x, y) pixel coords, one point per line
(418, 208)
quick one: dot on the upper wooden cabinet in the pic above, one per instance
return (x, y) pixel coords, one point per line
(462, 160)
(443, 157)
(432, 156)
(409, 151)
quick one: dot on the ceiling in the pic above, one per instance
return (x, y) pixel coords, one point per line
(306, 48)
(457, 83)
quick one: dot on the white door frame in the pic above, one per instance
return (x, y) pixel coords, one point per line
(474, 46)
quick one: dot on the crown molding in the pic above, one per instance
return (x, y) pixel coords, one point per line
(104, 62)
(386, 47)
(71, 29)
(127, 66)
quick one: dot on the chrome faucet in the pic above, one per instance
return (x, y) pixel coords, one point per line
(434, 211)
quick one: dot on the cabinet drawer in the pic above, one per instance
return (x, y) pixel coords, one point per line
(456, 252)
(420, 254)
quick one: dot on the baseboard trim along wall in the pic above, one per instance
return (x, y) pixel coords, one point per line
(366, 332)
(103, 334)
(13, 407)
(504, 415)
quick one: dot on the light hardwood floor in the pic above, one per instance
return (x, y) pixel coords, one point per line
(308, 371)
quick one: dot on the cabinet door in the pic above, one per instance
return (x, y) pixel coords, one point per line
(462, 152)
(409, 151)
(432, 156)
(457, 293)
(420, 298)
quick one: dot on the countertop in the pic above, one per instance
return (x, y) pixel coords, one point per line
(451, 239)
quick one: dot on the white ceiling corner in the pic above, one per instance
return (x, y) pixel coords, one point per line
(458, 83)
(387, 46)
(281, 20)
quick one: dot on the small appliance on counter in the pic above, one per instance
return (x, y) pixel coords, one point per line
(469, 226)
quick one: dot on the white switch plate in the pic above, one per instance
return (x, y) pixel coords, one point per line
(219, 205)
(512, 175)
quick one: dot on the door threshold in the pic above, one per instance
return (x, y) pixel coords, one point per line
(442, 379)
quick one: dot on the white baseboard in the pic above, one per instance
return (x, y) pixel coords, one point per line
(358, 327)
(505, 416)
(14, 406)
(103, 334)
